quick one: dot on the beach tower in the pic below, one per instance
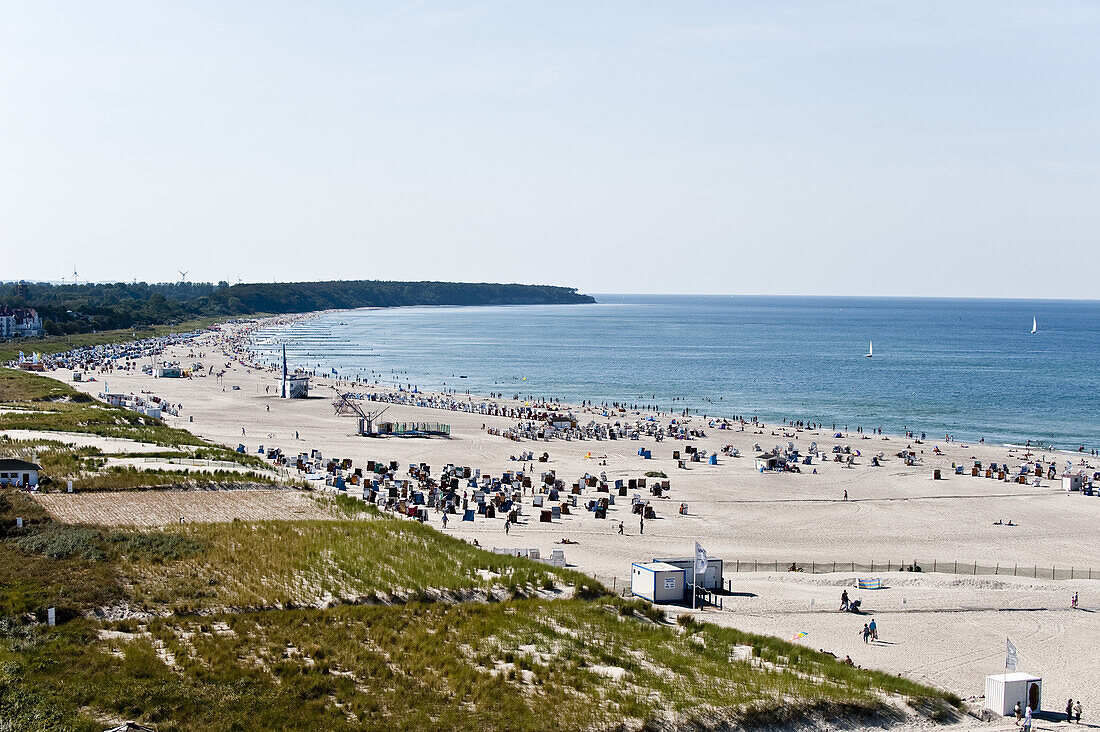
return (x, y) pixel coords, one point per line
(1002, 691)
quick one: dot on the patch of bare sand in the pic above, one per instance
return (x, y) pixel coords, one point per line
(160, 508)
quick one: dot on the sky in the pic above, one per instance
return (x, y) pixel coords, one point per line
(838, 148)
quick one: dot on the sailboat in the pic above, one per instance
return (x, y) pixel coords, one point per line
(1034, 325)
(870, 349)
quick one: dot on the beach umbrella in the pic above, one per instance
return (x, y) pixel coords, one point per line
(799, 635)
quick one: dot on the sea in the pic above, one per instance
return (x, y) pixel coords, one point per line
(968, 368)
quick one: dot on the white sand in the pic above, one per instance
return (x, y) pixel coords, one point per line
(949, 630)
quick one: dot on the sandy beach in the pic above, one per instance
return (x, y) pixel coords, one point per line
(946, 629)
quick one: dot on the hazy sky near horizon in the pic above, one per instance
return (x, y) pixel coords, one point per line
(864, 148)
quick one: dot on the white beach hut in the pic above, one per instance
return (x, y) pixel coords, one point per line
(1002, 691)
(657, 582)
(1073, 481)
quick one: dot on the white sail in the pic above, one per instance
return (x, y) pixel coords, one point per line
(870, 349)
(1034, 325)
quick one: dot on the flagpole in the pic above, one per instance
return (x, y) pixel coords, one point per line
(693, 563)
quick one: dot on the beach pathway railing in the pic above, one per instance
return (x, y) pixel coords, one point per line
(971, 568)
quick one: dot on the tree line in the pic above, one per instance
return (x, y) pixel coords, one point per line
(85, 308)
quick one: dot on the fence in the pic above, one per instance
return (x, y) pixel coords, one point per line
(950, 567)
(194, 462)
(266, 472)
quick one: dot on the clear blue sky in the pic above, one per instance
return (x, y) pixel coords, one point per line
(915, 148)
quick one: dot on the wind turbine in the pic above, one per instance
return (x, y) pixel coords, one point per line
(183, 275)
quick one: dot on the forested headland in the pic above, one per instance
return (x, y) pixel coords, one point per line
(84, 308)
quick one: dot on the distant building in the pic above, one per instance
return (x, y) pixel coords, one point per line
(20, 323)
(18, 472)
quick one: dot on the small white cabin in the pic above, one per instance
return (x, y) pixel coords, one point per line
(1002, 691)
(657, 582)
(1073, 481)
(297, 386)
(766, 462)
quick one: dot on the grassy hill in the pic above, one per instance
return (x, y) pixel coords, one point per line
(367, 621)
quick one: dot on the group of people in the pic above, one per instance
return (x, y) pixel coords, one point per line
(1024, 714)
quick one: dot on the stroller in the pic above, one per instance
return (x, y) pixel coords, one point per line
(853, 606)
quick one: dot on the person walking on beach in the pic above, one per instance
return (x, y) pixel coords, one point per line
(845, 495)
(1077, 711)
(1073, 601)
(844, 601)
(1069, 711)
(1027, 719)
(1019, 713)
(866, 633)
(444, 520)
(507, 526)
(620, 528)
(641, 525)
(874, 629)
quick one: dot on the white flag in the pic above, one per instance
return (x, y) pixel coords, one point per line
(1010, 655)
(700, 559)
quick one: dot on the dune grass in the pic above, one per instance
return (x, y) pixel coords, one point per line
(516, 665)
(367, 557)
(304, 563)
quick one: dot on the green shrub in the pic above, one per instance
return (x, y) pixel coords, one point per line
(58, 541)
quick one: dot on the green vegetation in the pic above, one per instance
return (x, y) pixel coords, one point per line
(519, 665)
(655, 474)
(304, 563)
(366, 557)
(69, 309)
(32, 402)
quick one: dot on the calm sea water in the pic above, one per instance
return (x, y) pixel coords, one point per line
(970, 368)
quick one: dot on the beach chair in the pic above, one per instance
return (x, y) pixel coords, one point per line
(534, 554)
(468, 515)
(557, 558)
(555, 512)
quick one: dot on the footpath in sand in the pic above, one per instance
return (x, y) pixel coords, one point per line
(943, 629)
